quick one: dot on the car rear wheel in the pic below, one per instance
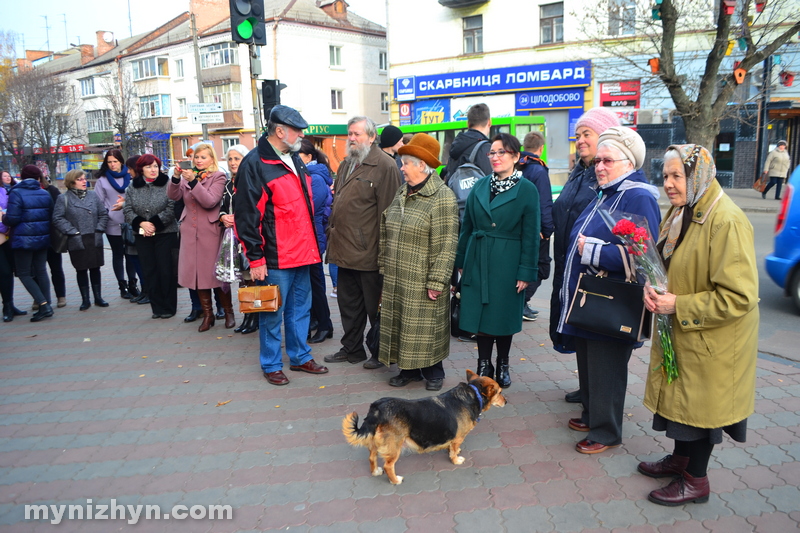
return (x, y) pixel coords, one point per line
(794, 288)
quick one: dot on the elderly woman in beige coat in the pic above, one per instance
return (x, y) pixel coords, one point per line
(712, 295)
(419, 233)
(201, 189)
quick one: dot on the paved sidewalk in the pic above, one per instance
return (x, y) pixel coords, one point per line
(109, 404)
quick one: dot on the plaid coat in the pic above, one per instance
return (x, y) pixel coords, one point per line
(418, 241)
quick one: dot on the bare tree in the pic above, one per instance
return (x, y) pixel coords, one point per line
(689, 39)
(121, 96)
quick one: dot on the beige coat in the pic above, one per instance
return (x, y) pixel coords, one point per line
(777, 164)
(715, 276)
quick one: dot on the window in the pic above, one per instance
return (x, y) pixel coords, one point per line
(98, 121)
(383, 61)
(219, 54)
(179, 68)
(150, 68)
(621, 17)
(227, 143)
(156, 105)
(87, 87)
(336, 55)
(182, 107)
(551, 23)
(228, 95)
(337, 101)
(385, 102)
(473, 34)
(184, 146)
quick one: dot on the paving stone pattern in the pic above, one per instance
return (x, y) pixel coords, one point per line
(109, 403)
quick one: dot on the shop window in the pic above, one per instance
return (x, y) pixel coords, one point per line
(473, 34)
(551, 23)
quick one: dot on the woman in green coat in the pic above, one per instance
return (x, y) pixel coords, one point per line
(498, 253)
(712, 295)
(419, 231)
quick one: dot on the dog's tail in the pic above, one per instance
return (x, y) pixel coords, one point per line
(353, 435)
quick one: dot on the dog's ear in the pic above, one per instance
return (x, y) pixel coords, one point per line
(471, 375)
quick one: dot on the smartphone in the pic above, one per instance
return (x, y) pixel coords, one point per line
(185, 165)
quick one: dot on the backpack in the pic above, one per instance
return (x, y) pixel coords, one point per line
(464, 177)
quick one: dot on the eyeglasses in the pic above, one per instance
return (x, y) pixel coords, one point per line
(606, 161)
(80, 179)
(499, 153)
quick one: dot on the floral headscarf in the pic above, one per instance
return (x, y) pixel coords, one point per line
(698, 165)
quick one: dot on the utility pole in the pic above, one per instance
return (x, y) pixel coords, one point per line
(197, 67)
(255, 72)
(763, 118)
(66, 38)
(47, 30)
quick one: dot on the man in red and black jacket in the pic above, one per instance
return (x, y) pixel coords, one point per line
(274, 221)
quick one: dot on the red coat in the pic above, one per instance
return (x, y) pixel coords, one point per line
(273, 211)
(200, 230)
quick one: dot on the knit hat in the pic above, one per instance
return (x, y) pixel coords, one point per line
(424, 147)
(782, 143)
(598, 119)
(626, 141)
(30, 172)
(389, 136)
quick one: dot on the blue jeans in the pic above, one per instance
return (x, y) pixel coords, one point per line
(295, 313)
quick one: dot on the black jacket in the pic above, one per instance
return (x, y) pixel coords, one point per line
(461, 148)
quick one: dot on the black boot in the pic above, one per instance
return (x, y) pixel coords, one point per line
(502, 378)
(123, 290)
(245, 321)
(8, 314)
(132, 290)
(485, 368)
(252, 325)
(44, 311)
(193, 315)
(98, 296)
(86, 303)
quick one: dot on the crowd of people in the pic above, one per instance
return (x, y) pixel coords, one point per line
(402, 245)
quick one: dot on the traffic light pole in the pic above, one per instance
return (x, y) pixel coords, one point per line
(197, 68)
(255, 71)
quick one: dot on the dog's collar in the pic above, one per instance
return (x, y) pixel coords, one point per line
(480, 399)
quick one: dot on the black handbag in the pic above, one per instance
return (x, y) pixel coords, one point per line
(58, 239)
(374, 337)
(611, 307)
(126, 231)
(455, 313)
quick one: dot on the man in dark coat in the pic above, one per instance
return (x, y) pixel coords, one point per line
(479, 122)
(366, 184)
(535, 170)
(277, 231)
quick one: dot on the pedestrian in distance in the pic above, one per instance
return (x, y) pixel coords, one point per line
(776, 167)
(708, 247)
(81, 214)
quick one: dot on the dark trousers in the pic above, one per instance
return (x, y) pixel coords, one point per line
(7, 273)
(319, 299)
(156, 258)
(544, 269)
(603, 377)
(56, 265)
(118, 256)
(359, 294)
(778, 183)
(32, 272)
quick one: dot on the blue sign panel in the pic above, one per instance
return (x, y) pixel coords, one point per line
(431, 112)
(553, 99)
(404, 89)
(497, 80)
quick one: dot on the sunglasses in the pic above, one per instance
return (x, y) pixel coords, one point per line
(606, 161)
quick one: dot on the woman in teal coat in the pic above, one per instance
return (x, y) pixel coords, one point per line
(498, 253)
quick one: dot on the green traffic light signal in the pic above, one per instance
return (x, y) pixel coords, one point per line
(245, 29)
(247, 21)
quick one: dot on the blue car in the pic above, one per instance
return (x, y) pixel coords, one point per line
(783, 264)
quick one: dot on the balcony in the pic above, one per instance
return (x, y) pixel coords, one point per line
(221, 75)
(233, 121)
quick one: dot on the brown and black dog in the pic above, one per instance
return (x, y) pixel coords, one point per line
(424, 425)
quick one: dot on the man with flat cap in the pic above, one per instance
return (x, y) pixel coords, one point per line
(274, 220)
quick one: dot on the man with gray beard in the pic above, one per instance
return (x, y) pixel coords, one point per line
(365, 185)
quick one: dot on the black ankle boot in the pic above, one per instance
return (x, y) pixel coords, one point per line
(132, 290)
(502, 377)
(245, 321)
(123, 290)
(8, 314)
(485, 368)
(98, 297)
(86, 303)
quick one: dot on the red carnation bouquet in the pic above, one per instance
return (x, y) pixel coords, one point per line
(635, 234)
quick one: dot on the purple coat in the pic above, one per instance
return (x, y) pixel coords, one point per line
(3, 206)
(109, 196)
(200, 230)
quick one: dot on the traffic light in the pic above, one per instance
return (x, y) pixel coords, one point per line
(271, 95)
(247, 22)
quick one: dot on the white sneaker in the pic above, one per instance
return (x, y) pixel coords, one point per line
(333, 293)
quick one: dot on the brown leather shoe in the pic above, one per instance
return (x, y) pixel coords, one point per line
(277, 378)
(577, 425)
(311, 367)
(684, 489)
(669, 466)
(590, 446)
